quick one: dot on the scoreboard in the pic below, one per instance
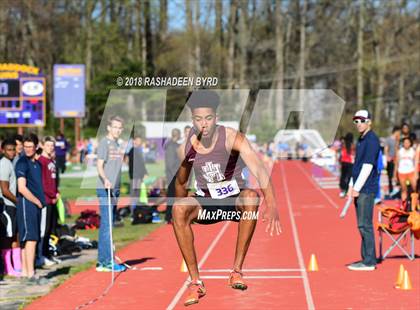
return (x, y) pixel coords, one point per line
(69, 90)
(22, 101)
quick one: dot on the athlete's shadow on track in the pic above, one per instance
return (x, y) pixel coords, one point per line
(134, 262)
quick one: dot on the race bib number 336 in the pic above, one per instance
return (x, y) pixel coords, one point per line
(223, 189)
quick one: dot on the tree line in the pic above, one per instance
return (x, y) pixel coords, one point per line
(367, 51)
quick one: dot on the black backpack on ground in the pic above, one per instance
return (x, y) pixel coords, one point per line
(64, 230)
(68, 247)
(142, 215)
(124, 212)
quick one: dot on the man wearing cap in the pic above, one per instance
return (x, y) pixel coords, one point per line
(363, 187)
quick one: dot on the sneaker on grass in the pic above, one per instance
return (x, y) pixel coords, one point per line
(37, 281)
(48, 262)
(56, 260)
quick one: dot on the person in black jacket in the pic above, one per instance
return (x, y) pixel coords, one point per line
(171, 167)
(136, 169)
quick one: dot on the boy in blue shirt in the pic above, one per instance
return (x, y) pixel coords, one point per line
(30, 202)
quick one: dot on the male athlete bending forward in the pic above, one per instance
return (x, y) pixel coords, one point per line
(218, 154)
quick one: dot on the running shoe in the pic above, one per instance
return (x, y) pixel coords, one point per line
(43, 261)
(48, 262)
(236, 280)
(108, 267)
(36, 281)
(196, 290)
(360, 266)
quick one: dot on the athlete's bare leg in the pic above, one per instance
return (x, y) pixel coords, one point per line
(246, 227)
(183, 213)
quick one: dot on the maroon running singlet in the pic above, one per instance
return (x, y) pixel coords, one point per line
(216, 166)
(218, 175)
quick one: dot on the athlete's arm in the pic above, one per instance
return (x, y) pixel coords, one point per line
(25, 192)
(182, 174)
(4, 186)
(238, 142)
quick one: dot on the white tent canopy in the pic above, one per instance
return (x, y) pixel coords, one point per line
(309, 137)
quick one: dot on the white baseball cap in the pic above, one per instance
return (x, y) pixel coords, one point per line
(362, 114)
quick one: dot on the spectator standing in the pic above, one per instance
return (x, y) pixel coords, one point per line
(363, 188)
(110, 157)
(406, 169)
(390, 154)
(136, 169)
(19, 148)
(11, 252)
(31, 200)
(81, 148)
(49, 213)
(61, 148)
(187, 130)
(380, 167)
(346, 161)
(172, 163)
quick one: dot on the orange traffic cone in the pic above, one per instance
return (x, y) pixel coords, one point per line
(400, 277)
(184, 266)
(313, 264)
(406, 284)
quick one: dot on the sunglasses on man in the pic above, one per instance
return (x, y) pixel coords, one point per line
(360, 121)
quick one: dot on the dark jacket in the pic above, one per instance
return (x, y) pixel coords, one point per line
(136, 166)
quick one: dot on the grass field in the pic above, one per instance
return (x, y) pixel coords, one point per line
(121, 235)
(70, 188)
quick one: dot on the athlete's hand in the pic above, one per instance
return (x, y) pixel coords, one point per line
(271, 216)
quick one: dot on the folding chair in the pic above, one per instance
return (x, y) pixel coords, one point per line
(393, 223)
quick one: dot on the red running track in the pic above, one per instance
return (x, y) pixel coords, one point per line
(276, 266)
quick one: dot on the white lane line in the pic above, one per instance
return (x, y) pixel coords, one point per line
(254, 277)
(308, 293)
(200, 264)
(318, 188)
(253, 270)
(330, 187)
(145, 268)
